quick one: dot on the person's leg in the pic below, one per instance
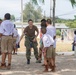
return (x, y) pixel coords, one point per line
(0, 50)
(14, 45)
(46, 64)
(53, 65)
(10, 49)
(13, 50)
(3, 57)
(39, 56)
(3, 51)
(52, 59)
(28, 54)
(54, 54)
(35, 50)
(9, 60)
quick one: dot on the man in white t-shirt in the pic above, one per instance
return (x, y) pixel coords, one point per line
(47, 50)
(51, 30)
(7, 28)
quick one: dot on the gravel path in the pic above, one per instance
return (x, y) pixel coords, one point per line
(65, 65)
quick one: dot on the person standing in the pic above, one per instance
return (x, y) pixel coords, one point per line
(47, 50)
(74, 43)
(43, 24)
(7, 28)
(0, 37)
(62, 37)
(30, 40)
(51, 30)
(15, 35)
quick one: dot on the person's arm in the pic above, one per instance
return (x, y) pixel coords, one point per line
(37, 32)
(54, 34)
(22, 36)
(45, 50)
(34, 40)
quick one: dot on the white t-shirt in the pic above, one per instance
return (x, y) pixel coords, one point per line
(7, 27)
(15, 32)
(47, 40)
(51, 30)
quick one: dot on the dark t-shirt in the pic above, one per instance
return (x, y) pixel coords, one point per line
(30, 32)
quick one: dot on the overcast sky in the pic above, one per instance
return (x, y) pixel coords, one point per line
(63, 8)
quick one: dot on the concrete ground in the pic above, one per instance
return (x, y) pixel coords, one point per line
(65, 65)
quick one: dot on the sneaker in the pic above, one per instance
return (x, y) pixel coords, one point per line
(38, 61)
(28, 61)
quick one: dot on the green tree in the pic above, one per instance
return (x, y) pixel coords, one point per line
(30, 12)
(12, 17)
(73, 2)
(36, 1)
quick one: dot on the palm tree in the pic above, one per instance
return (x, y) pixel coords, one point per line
(73, 2)
(36, 1)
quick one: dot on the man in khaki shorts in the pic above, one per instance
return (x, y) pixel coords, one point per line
(7, 28)
(51, 30)
(0, 38)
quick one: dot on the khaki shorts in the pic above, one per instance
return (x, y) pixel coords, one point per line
(50, 52)
(0, 42)
(6, 44)
(14, 42)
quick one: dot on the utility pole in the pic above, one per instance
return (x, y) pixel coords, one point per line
(22, 14)
(54, 12)
(50, 8)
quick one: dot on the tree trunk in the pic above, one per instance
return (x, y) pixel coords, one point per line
(54, 12)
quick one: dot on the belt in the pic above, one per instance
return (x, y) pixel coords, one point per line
(6, 35)
(51, 45)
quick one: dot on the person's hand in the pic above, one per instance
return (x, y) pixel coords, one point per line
(34, 40)
(44, 54)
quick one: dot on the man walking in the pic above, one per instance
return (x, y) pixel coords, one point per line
(30, 40)
(7, 28)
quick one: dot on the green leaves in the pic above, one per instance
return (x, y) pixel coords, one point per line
(35, 2)
(30, 12)
(73, 2)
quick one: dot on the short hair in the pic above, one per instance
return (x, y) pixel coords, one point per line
(43, 24)
(49, 21)
(30, 20)
(75, 32)
(43, 30)
(43, 20)
(7, 16)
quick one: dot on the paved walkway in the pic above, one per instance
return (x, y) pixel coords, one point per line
(65, 65)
